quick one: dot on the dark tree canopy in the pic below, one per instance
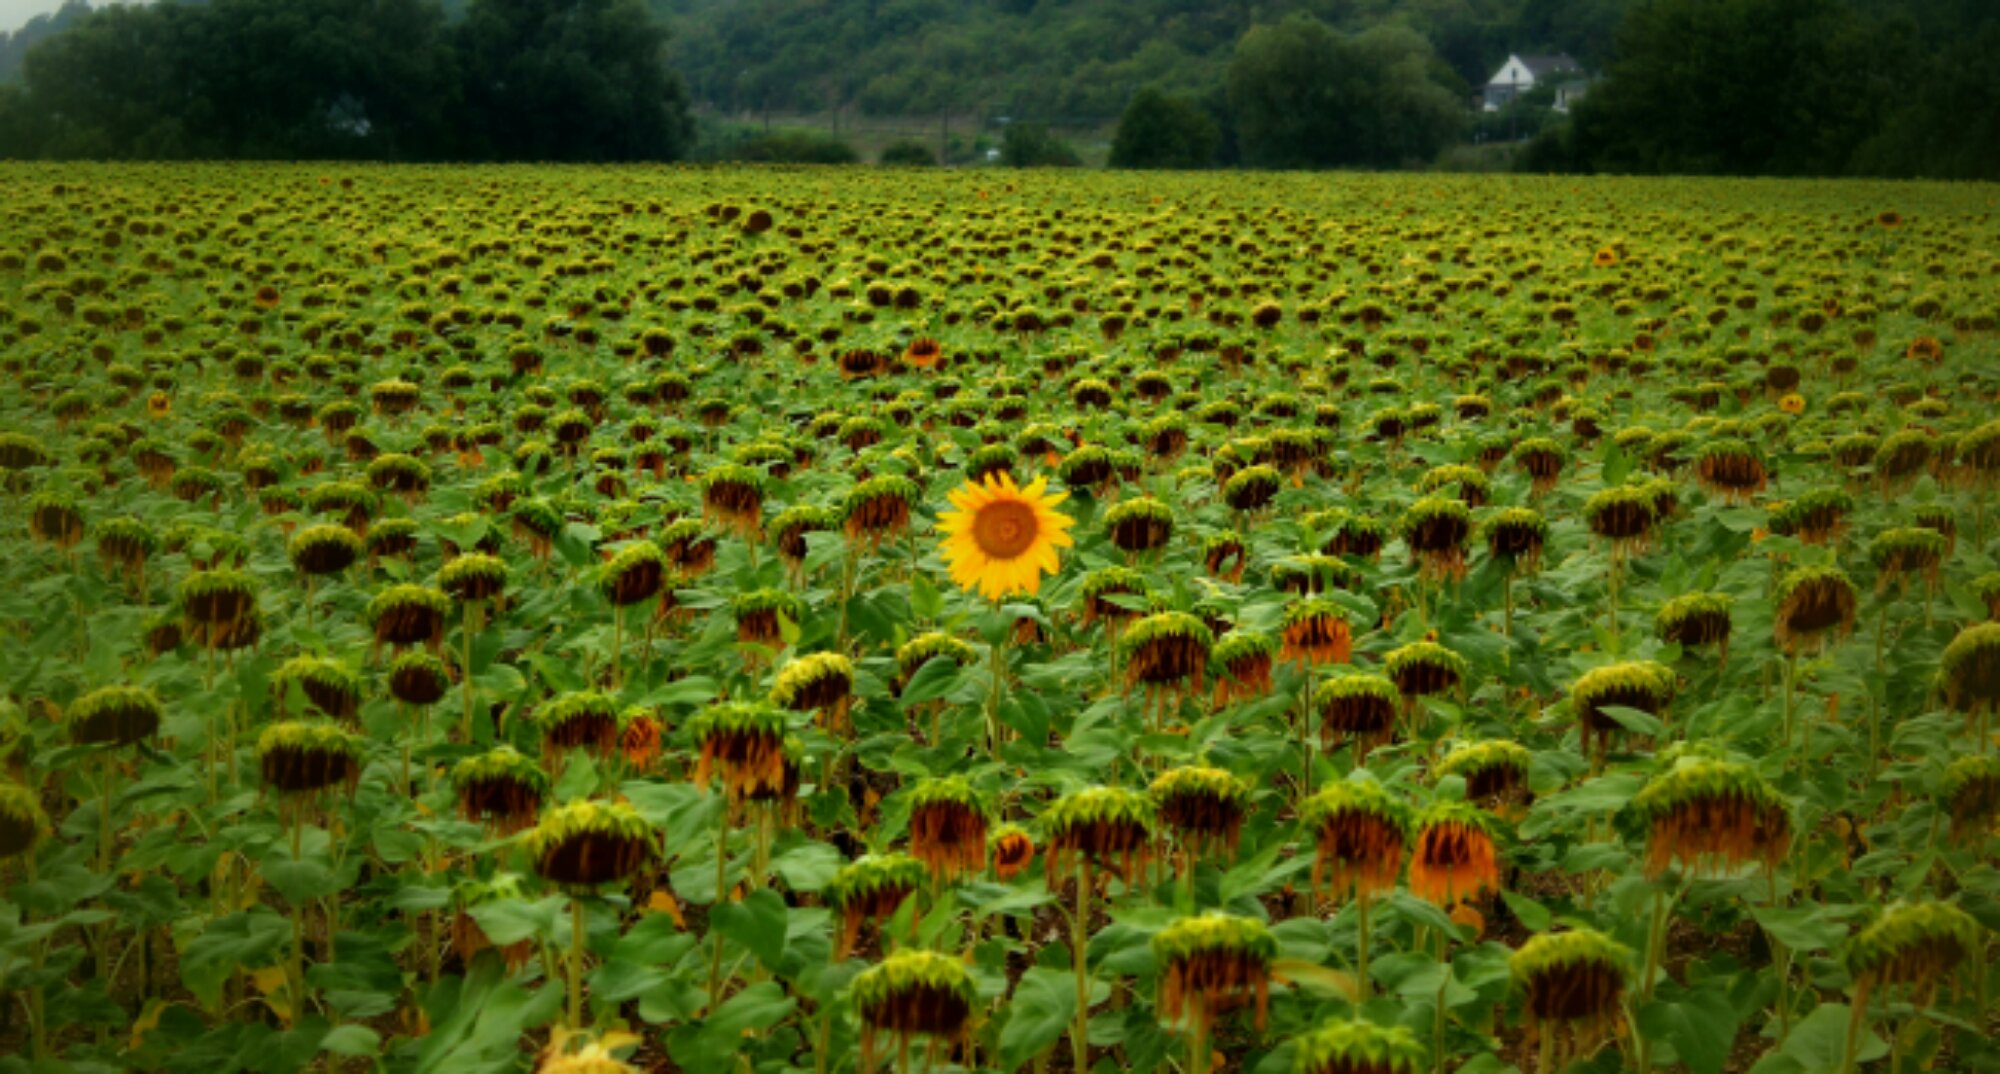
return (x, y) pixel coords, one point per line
(568, 80)
(1161, 131)
(1305, 96)
(1790, 87)
(350, 79)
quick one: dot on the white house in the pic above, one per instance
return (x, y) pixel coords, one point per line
(1523, 73)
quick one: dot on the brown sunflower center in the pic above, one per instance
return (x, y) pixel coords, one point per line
(1005, 529)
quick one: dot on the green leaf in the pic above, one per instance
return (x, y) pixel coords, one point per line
(712, 1044)
(938, 676)
(509, 921)
(354, 1041)
(1805, 928)
(808, 867)
(1700, 1023)
(477, 1023)
(758, 923)
(1637, 721)
(245, 940)
(299, 881)
(1816, 1042)
(1532, 915)
(1044, 1003)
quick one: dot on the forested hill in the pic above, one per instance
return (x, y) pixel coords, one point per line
(1062, 59)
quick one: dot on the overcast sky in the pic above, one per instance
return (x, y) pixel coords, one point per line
(15, 12)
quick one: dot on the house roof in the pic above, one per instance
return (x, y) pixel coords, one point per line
(1543, 66)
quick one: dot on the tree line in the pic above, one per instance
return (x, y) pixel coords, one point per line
(554, 80)
(1780, 87)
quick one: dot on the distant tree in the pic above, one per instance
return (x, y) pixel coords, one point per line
(564, 80)
(907, 153)
(1773, 87)
(1305, 97)
(1033, 145)
(1159, 131)
(280, 79)
(14, 47)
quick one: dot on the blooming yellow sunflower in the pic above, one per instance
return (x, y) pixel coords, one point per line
(1793, 404)
(1002, 538)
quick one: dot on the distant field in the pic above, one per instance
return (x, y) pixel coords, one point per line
(827, 619)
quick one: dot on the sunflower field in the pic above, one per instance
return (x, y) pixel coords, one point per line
(753, 621)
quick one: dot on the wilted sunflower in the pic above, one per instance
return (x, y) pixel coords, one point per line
(1455, 857)
(1361, 832)
(1354, 1047)
(1572, 981)
(1210, 965)
(1000, 538)
(1204, 807)
(948, 827)
(870, 889)
(1707, 814)
(914, 993)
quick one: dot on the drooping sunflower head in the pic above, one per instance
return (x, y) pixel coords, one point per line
(1456, 853)
(1571, 980)
(1244, 659)
(1706, 813)
(1353, 1047)
(1204, 806)
(1696, 619)
(634, 575)
(1357, 707)
(879, 508)
(1100, 824)
(418, 678)
(1001, 538)
(1362, 831)
(815, 682)
(1495, 772)
(1140, 524)
(22, 821)
(1914, 944)
(1165, 650)
(1969, 668)
(1436, 528)
(1214, 962)
(1314, 631)
(1814, 604)
(114, 716)
(584, 719)
(585, 844)
(409, 615)
(1623, 515)
(473, 576)
(871, 888)
(948, 821)
(1969, 793)
(501, 787)
(1634, 684)
(1424, 667)
(746, 741)
(1906, 551)
(303, 757)
(1516, 535)
(912, 993)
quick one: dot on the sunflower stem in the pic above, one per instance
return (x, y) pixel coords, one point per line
(1364, 986)
(1079, 938)
(471, 615)
(1857, 1020)
(576, 938)
(721, 879)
